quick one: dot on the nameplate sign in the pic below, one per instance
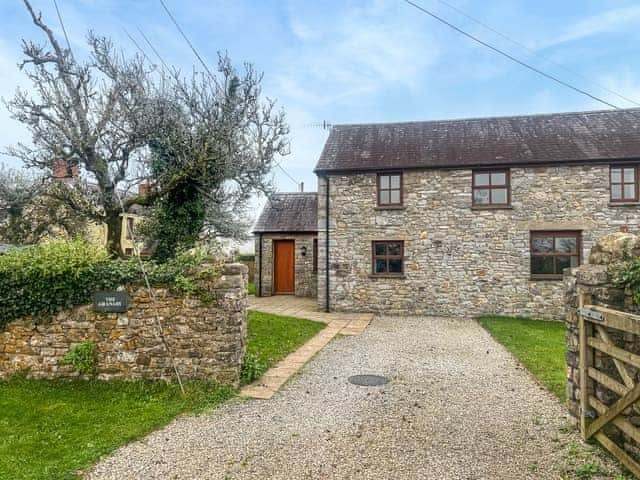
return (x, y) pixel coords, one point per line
(117, 302)
(591, 314)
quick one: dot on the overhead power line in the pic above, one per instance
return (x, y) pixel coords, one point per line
(193, 49)
(536, 54)
(64, 30)
(510, 57)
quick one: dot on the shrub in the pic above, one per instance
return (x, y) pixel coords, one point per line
(83, 357)
(627, 275)
(47, 278)
(252, 368)
(246, 257)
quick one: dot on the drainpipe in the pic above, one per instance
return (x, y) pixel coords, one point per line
(260, 268)
(326, 238)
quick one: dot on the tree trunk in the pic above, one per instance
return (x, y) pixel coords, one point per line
(114, 233)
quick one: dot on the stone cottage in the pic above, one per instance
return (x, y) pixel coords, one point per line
(286, 245)
(472, 216)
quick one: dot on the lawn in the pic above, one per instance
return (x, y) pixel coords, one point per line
(252, 289)
(539, 345)
(272, 337)
(53, 429)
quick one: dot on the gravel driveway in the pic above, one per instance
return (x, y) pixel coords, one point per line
(458, 407)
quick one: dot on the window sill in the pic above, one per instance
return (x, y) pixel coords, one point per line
(491, 207)
(545, 279)
(390, 207)
(398, 276)
(623, 204)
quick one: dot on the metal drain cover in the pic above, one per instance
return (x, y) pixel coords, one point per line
(368, 380)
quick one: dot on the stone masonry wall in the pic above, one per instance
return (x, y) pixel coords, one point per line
(207, 338)
(305, 277)
(460, 260)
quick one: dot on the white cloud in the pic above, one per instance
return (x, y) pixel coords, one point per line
(603, 22)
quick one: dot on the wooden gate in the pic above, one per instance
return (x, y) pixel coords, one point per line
(595, 339)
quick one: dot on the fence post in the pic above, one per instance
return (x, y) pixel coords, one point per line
(585, 330)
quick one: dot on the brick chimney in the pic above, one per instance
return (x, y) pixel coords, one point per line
(62, 172)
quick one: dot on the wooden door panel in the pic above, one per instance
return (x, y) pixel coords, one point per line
(284, 266)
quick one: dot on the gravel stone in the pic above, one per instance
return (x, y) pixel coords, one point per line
(458, 406)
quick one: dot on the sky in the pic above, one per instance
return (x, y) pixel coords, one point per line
(348, 61)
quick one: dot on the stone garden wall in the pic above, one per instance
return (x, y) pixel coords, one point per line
(594, 281)
(206, 335)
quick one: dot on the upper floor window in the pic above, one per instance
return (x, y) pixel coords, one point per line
(389, 189)
(130, 226)
(388, 257)
(624, 183)
(491, 188)
(552, 252)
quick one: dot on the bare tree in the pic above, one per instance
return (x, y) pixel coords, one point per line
(30, 209)
(215, 147)
(89, 113)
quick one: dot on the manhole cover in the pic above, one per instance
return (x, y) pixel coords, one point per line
(368, 380)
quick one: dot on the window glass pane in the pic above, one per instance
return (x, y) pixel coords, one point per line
(381, 248)
(616, 176)
(481, 179)
(395, 181)
(384, 197)
(575, 261)
(499, 195)
(629, 174)
(395, 266)
(629, 191)
(542, 244)
(616, 192)
(542, 265)
(499, 178)
(481, 196)
(393, 248)
(381, 266)
(566, 244)
(384, 181)
(395, 196)
(562, 263)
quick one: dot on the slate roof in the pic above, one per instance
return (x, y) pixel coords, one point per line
(535, 139)
(289, 212)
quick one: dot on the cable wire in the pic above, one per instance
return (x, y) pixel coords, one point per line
(535, 53)
(509, 56)
(193, 49)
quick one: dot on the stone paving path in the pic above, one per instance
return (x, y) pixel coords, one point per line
(337, 323)
(458, 407)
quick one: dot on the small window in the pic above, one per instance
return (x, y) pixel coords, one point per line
(389, 189)
(388, 257)
(552, 252)
(315, 255)
(130, 228)
(128, 252)
(624, 183)
(491, 188)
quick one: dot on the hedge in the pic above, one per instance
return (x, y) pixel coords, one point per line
(246, 257)
(47, 278)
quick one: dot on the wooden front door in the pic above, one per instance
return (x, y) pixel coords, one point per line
(284, 266)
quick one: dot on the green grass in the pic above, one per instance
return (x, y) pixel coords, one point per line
(273, 337)
(52, 429)
(539, 345)
(252, 289)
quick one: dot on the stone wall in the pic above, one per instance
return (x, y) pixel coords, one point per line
(594, 284)
(207, 338)
(460, 260)
(305, 277)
